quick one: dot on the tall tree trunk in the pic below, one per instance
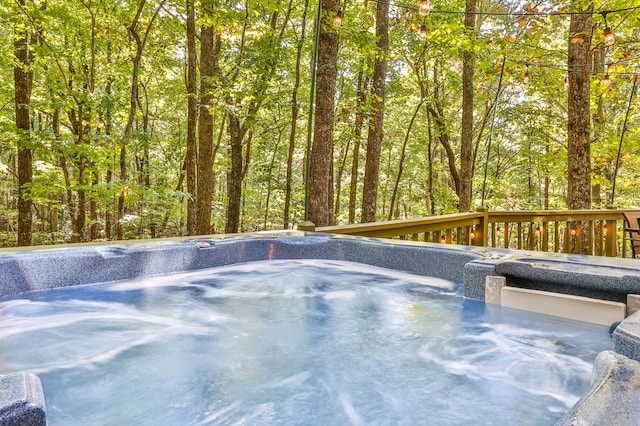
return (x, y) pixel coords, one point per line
(338, 183)
(431, 204)
(295, 109)
(133, 103)
(23, 79)
(579, 121)
(209, 49)
(357, 134)
(238, 126)
(403, 154)
(133, 99)
(444, 139)
(322, 148)
(234, 176)
(599, 56)
(579, 149)
(191, 118)
(265, 223)
(94, 228)
(375, 134)
(466, 137)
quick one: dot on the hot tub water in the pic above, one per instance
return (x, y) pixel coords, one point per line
(293, 342)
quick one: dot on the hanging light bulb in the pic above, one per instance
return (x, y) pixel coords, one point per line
(337, 19)
(566, 82)
(423, 31)
(609, 37)
(424, 8)
(527, 78)
(606, 80)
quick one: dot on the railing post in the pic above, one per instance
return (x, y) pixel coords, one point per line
(306, 226)
(610, 246)
(482, 230)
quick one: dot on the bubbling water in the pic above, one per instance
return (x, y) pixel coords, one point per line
(293, 342)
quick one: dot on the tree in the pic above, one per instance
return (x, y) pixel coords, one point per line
(192, 103)
(321, 161)
(295, 109)
(23, 81)
(210, 45)
(466, 134)
(579, 114)
(108, 125)
(375, 133)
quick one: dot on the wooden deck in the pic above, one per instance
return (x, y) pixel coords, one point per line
(595, 232)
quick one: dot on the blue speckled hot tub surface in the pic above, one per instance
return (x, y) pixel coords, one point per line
(29, 270)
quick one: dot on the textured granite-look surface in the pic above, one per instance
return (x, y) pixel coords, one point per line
(29, 270)
(21, 400)
(626, 337)
(614, 397)
(588, 276)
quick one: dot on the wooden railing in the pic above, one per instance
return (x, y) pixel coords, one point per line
(596, 232)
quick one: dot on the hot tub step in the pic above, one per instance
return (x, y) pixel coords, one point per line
(563, 305)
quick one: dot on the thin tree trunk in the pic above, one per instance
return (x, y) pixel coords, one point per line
(357, 134)
(599, 128)
(295, 109)
(234, 176)
(133, 31)
(191, 118)
(375, 134)
(238, 126)
(209, 49)
(133, 103)
(338, 185)
(403, 155)
(23, 79)
(431, 205)
(94, 228)
(443, 137)
(466, 137)
(269, 180)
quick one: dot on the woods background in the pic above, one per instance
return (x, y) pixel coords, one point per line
(138, 119)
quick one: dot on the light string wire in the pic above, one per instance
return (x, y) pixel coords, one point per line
(487, 13)
(528, 64)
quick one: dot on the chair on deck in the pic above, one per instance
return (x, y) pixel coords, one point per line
(633, 228)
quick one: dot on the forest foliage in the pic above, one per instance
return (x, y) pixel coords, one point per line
(113, 90)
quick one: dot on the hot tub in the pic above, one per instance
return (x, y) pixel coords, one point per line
(27, 271)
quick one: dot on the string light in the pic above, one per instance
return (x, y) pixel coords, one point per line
(566, 82)
(530, 13)
(527, 77)
(609, 37)
(337, 19)
(423, 31)
(424, 8)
